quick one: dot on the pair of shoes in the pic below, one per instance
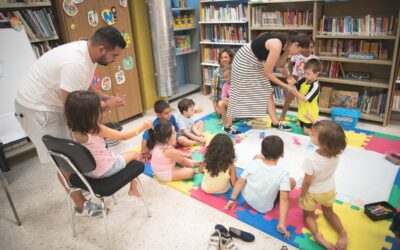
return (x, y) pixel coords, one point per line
(219, 241)
(282, 127)
(234, 232)
(231, 130)
(89, 209)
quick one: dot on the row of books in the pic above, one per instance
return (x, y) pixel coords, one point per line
(43, 47)
(373, 102)
(261, 17)
(225, 33)
(396, 101)
(210, 55)
(332, 69)
(208, 74)
(37, 23)
(345, 47)
(358, 26)
(215, 13)
(280, 95)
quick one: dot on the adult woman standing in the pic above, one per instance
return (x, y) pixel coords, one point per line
(225, 57)
(251, 90)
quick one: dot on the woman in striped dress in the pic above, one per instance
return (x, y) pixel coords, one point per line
(251, 90)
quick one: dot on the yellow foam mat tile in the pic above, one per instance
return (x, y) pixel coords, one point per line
(356, 139)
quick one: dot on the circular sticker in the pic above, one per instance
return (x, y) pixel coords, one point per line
(119, 76)
(127, 39)
(93, 18)
(108, 17)
(123, 3)
(70, 8)
(106, 83)
(78, 1)
(96, 80)
(128, 63)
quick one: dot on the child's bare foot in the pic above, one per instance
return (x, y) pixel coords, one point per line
(341, 244)
(135, 193)
(321, 240)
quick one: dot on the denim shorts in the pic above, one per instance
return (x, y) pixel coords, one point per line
(115, 168)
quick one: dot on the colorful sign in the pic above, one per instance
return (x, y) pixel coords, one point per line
(70, 8)
(108, 17)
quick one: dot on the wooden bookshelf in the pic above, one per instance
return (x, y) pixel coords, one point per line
(356, 37)
(280, 1)
(284, 28)
(345, 59)
(187, 52)
(188, 28)
(207, 43)
(50, 38)
(24, 5)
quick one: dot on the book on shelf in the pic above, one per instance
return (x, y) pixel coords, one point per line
(345, 99)
(358, 26)
(182, 43)
(225, 33)
(208, 75)
(210, 55)
(291, 18)
(353, 49)
(373, 101)
(332, 69)
(396, 101)
(42, 47)
(214, 13)
(325, 96)
(37, 23)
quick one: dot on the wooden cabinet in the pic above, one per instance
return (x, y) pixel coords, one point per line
(77, 27)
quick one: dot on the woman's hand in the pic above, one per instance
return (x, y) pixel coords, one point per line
(230, 205)
(282, 229)
(116, 101)
(147, 124)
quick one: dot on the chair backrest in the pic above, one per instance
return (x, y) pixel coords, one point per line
(78, 154)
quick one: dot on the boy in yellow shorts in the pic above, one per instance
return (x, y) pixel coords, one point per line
(307, 92)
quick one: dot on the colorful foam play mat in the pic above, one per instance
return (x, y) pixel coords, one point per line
(363, 176)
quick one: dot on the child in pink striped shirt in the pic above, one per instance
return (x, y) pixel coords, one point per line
(83, 113)
(226, 89)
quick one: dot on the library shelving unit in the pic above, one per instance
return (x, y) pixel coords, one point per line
(223, 23)
(187, 50)
(38, 21)
(377, 90)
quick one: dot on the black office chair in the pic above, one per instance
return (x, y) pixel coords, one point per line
(72, 157)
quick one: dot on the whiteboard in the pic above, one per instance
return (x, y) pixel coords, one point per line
(16, 59)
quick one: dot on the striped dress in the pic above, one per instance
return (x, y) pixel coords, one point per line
(104, 157)
(250, 88)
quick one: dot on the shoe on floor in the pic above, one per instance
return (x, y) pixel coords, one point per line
(224, 232)
(227, 244)
(231, 130)
(89, 209)
(243, 235)
(215, 241)
(282, 127)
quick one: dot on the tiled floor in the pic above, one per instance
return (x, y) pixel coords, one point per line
(178, 221)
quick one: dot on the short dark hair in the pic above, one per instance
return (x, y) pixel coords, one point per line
(302, 39)
(227, 51)
(220, 154)
(185, 104)
(314, 64)
(162, 132)
(331, 137)
(272, 147)
(82, 111)
(160, 106)
(109, 37)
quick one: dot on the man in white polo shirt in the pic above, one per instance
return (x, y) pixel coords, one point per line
(39, 104)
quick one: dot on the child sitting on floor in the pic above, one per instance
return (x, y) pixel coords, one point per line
(226, 89)
(263, 182)
(165, 156)
(190, 133)
(307, 92)
(83, 114)
(164, 113)
(319, 180)
(219, 168)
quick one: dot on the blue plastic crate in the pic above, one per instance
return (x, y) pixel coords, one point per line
(345, 117)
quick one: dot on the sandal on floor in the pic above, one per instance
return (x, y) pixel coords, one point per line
(243, 235)
(227, 244)
(215, 241)
(224, 232)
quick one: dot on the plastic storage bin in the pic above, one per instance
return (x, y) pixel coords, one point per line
(345, 117)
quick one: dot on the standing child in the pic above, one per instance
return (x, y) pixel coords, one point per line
(219, 168)
(264, 181)
(307, 92)
(226, 89)
(190, 133)
(164, 113)
(319, 180)
(296, 72)
(83, 113)
(165, 156)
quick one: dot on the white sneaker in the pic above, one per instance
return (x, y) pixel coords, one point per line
(89, 209)
(215, 240)
(227, 244)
